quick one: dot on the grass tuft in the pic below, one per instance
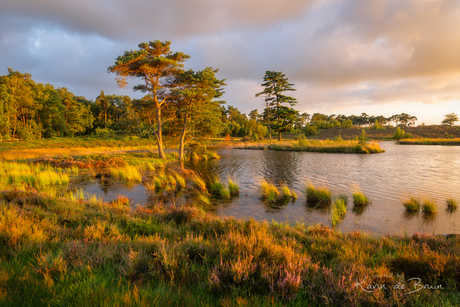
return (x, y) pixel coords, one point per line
(359, 199)
(318, 195)
(233, 187)
(339, 209)
(412, 204)
(269, 191)
(452, 203)
(429, 206)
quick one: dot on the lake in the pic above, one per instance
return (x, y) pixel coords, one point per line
(387, 178)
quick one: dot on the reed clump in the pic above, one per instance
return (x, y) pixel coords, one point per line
(233, 187)
(451, 203)
(220, 190)
(359, 199)
(127, 172)
(198, 182)
(429, 206)
(269, 191)
(338, 212)
(412, 204)
(318, 195)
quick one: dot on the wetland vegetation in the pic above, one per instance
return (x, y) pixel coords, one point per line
(63, 246)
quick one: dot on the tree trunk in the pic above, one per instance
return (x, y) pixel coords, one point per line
(182, 138)
(268, 120)
(161, 152)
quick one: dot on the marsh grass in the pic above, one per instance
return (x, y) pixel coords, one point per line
(338, 212)
(318, 195)
(127, 172)
(429, 141)
(22, 175)
(341, 146)
(286, 192)
(220, 190)
(202, 198)
(451, 203)
(268, 191)
(233, 187)
(61, 252)
(412, 204)
(198, 182)
(360, 199)
(429, 206)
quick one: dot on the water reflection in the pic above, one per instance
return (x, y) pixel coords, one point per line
(422, 171)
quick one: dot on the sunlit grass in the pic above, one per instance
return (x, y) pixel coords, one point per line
(338, 212)
(69, 252)
(412, 204)
(360, 199)
(219, 189)
(429, 206)
(268, 191)
(318, 195)
(233, 187)
(452, 203)
(127, 173)
(329, 146)
(430, 141)
(198, 182)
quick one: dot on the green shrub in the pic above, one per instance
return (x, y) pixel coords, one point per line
(310, 130)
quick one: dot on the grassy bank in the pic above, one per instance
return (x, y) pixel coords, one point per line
(427, 141)
(59, 252)
(329, 146)
(387, 133)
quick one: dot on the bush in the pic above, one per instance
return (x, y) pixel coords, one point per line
(103, 131)
(310, 130)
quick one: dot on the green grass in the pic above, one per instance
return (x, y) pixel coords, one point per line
(452, 203)
(338, 212)
(329, 146)
(220, 190)
(269, 191)
(359, 199)
(198, 182)
(430, 141)
(233, 187)
(61, 252)
(429, 206)
(318, 195)
(412, 204)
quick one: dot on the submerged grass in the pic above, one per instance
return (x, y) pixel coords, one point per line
(61, 252)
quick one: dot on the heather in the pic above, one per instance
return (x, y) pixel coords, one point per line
(58, 251)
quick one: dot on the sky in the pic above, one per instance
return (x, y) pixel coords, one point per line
(381, 57)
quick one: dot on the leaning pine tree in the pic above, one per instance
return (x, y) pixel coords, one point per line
(157, 66)
(275, 84)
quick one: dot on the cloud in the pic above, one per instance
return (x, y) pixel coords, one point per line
(339, 53)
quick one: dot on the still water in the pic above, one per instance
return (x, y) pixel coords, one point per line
(422, 171)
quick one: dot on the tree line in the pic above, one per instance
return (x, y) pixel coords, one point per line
(177, 103)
